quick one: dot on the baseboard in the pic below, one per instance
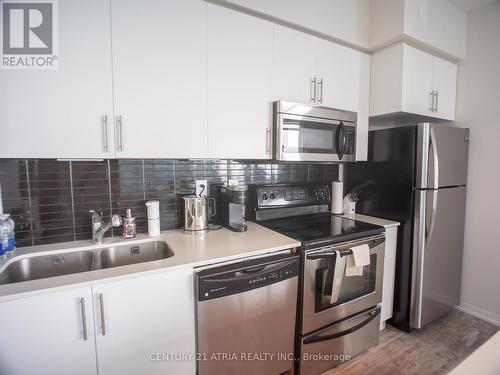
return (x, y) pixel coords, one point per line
(480, 313)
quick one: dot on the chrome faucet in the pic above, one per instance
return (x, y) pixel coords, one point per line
(99, 228)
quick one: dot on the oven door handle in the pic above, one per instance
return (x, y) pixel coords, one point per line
(371, 314)
(373, 243)
(328, 255)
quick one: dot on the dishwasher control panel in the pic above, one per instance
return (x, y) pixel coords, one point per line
(244, 276)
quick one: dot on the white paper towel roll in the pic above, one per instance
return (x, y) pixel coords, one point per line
(153, 208)
(337, 197)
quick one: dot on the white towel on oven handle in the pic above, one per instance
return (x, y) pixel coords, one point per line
(337, 276)
(360, 257)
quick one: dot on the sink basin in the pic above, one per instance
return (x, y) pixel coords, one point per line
(40, 267)
(130, 254)
(50, 265)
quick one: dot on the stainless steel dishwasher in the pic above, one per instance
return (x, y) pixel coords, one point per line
(246, 315)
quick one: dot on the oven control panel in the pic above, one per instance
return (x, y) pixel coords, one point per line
(268, 196)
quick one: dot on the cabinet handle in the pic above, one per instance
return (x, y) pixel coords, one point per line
(84, 319)
(268, 140)
(320, 84)
(313, 90)
(105, 131)
(437, 101)
(103, 317)
(431, 94)
(119, 126)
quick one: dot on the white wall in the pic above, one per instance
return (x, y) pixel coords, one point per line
(478, 107)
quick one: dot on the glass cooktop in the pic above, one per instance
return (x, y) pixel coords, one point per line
(321, 229)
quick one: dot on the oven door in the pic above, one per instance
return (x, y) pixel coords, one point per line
(303, 138)
(352, 294)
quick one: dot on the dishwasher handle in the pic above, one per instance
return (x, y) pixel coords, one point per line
(248, 273)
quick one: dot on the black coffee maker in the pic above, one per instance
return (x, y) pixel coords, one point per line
(231, 202)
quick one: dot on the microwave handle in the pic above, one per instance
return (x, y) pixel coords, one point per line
(341, 146)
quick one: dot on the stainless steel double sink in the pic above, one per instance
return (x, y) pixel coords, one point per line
(35, 267)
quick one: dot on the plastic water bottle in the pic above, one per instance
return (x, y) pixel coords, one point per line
(7, 236)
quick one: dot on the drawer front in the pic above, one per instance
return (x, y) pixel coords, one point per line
(339, 342)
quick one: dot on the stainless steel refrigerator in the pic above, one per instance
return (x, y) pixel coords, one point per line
(417, 175)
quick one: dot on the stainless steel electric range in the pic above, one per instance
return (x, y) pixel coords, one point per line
(339, 316)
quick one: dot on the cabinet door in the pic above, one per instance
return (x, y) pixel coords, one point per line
(159, 70)
(140, 317)
(438, 23)
(294, 65)
(45, 334)
(60, 113)
(417, 81)
(391, 237)
(445, 83)
(240, 96)
(343, 74)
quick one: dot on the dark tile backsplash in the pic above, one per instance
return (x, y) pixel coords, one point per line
(49, 200)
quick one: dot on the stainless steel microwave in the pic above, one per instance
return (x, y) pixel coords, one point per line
(304, 132)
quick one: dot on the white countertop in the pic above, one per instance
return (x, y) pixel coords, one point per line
(484, 360)
(372, 220)
(191, 250)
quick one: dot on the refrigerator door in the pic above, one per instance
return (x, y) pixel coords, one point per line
(438, 247)
(442, 155)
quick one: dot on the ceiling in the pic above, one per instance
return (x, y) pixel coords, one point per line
(468, 5)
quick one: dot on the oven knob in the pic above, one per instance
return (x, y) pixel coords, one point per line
(272, 196)
(264, 196)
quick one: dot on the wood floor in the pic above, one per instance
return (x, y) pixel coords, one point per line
(433, 350)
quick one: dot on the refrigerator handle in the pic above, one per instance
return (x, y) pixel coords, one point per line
(432, 221)
(418, 259)
(435, 159)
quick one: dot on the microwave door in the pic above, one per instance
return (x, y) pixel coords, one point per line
(303, 138)
(291, 142)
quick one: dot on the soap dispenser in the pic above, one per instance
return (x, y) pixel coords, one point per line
(129, 229)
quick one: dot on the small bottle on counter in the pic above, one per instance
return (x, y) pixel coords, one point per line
(7, 236)
(129, 229)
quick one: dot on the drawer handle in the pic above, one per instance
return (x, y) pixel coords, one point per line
(372, 314)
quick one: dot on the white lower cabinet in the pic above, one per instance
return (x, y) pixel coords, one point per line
(45, 334)
(391, 239)
(138, 320)
(135, 326)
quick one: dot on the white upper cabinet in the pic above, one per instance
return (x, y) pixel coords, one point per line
(444, 80)
(159, 72)
(139, 317)
(312, 70)
(436, 25)
(347, 21)
(62, 113)
(344, 77)
(405, 79)
(240, 50)
(294, 65)
(48, 334)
